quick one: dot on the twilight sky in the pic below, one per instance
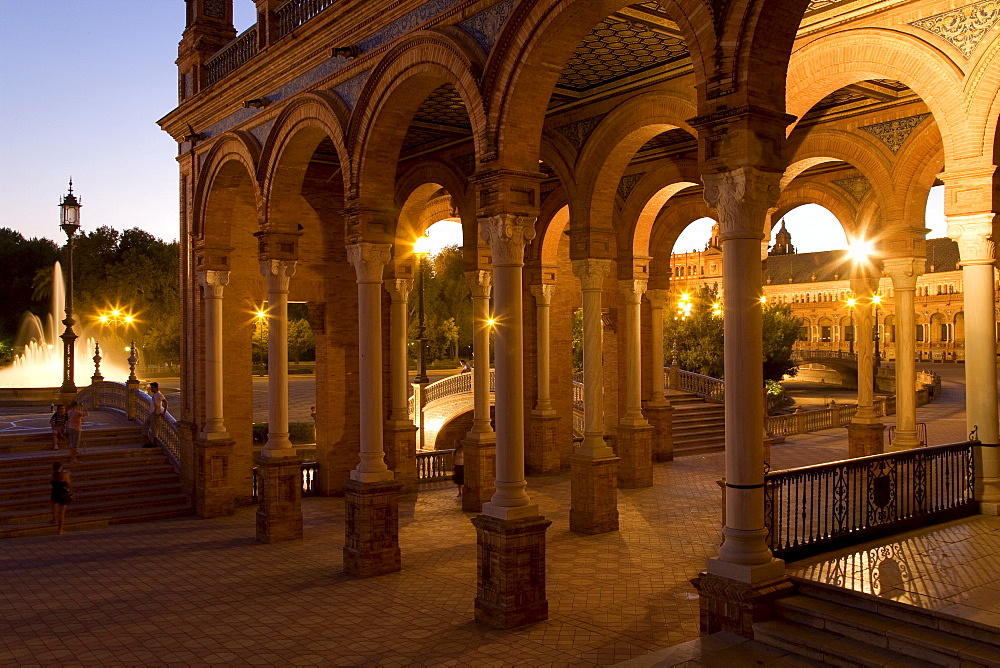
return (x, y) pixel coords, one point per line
(85, 82)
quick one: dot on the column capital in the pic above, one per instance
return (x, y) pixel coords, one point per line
(399, 289)
(591, 272)
(480, 283)
(658, 298)
(542, 293)
(369, 260)
(903, 271)
(507, 234)
(213, 281)
(974, 235)
(742, 198)
(277, 273)
(633, 289)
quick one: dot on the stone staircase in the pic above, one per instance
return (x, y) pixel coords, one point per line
(699, 426)
(838, 627)
(116, 481)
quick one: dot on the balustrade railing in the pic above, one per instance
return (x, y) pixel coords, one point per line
(460, 383)
(292, 14)
(705, 387)
(434, 465)
(231, 56)
(814, 509)
(114, 396)
(309, 471)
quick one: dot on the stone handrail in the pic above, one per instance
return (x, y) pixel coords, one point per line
(705, 387)
(460, 383)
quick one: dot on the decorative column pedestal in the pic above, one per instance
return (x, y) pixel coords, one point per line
(635, 449)
(865, 439)
(400, 444)
(511, 571)
(594, 506)
(661, 419)
(543, 456)
(371, 512)
(734, 606)
(213, 485)
(480, 470)
(279, 490)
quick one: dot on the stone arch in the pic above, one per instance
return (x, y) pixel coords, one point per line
(831, 62)
(823, 194)
(441, 175)
(818, 147)
(550, 235)
(668, 226)
(919, 163)
(392, 94)
(647, 200)
(983, 101)
(230, 169)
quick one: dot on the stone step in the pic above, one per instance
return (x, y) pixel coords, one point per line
(93, 498)
(28, 488)
(93, 438)
(827, 648)
(697, 427)
(44, 526)
(94, 459)
(109, 507)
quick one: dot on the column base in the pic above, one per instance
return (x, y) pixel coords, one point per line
(865, 439)
(213, 485)
(480, 470)
(661, 419)
(635, 450)
(371, 540)
(510, 588)
(734, 606)
(279, 490)
(542, 451)
(399, 441)
(594, 491)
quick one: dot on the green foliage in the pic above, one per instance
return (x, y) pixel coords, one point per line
(447, 307)
(301, 342)
(299, 433)
(21, 260)
(578, 340)
(781, 330)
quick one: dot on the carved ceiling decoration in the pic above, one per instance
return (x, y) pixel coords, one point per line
(856, 186)
(823, 5)
(666, 141)
(859, 98)
(441, 118)
(623, 45)
(894, 133)
(963, 27)
(627, 183)
(577, 132)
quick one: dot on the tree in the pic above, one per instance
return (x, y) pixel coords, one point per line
(300, 339)
(21, 260)
(781, 331)
(447, 306)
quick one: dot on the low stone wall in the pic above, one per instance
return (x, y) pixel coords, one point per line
(16, 397)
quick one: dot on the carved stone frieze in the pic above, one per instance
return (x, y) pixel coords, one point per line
(963, 27)
(974, 236)
(350, 90)
(628, 183)
(369, 260)
(742, 198)
(856, 186)
(507, 235)
(895, 132)
(277, 273)
(579, 131)
(486, 25)
(591, 273)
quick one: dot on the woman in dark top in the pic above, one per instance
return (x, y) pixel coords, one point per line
(61, 496)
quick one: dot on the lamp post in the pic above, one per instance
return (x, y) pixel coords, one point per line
(851, 301)
(69, 221)
(876, 300)
(421, 249)
(259, 316)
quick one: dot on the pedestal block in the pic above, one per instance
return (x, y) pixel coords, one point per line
(480, 470)
(594, 505)
(371, 543)
(734, 606)
(213, 484)
(510, 589)
(864, 439)
(279, 493)
(661, 419)
(400, 445)
(635, 450)
(542, 450)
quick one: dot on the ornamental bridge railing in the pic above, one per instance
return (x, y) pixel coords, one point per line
(815, 509)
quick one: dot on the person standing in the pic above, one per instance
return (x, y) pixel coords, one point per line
(61, 495)
(459, 465)
(59, 421)
(159, 409)
(466, 368)
(74, 424)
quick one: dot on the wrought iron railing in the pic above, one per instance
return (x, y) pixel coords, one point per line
(434, 465)
(814, 509)
(309, 471)
(292, 14)
(232, 56)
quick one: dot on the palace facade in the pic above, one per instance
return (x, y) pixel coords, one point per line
(574, 140)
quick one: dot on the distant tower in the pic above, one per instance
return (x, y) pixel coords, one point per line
(714, 242)
(209, 27)
(782, 242)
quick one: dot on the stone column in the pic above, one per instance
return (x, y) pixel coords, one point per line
(658, 411)
(400, 436)
(865, 432)
(543, 419)
(593, 465)
(742, 198)
(511, 534)
(480, 443)
(371, 496)
(212, 452)
(279, 470)
(904, 272)
(635, 436)
(978, 258)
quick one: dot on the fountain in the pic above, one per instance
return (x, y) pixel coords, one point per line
(40, 364)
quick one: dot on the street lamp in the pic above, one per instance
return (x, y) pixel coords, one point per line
(258, 322)
(421, 248)
(876, 300)
(69, 221)
(851, 301)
